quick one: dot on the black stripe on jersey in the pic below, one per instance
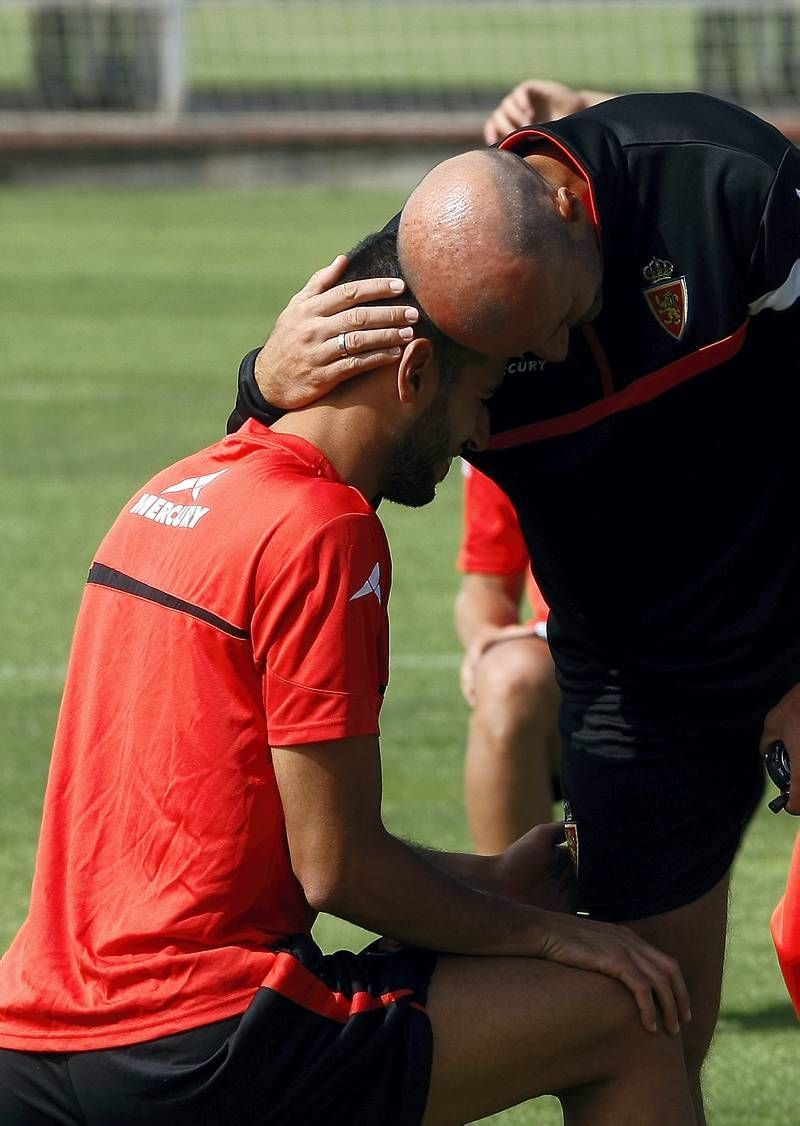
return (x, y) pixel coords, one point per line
(116, 580)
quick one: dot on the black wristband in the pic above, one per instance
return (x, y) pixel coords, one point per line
(250, 403)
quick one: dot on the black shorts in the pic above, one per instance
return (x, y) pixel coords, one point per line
(279, 1062)
(659, 809)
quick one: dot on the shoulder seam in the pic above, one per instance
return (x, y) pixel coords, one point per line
(625, 146)
(764, 209)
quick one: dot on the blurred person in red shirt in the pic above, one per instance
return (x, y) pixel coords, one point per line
(786, 929)
(507, 675)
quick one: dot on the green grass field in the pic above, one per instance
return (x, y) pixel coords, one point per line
(298, 43)
(124, 316)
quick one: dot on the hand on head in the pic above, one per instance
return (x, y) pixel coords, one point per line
(303, 357)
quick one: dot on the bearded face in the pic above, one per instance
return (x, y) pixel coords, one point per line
(422, 457)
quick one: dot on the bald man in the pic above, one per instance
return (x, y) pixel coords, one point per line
(505, 254)
(640, 260)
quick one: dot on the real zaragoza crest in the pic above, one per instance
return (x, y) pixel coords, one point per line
(666, 297)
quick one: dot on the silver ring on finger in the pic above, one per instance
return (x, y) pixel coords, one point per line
(341, 344)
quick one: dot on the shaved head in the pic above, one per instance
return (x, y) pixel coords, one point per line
(468, 235)
(482, 244)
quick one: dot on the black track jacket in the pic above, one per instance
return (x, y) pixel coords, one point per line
(655, 470)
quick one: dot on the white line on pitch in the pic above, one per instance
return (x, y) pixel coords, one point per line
(425, 660)
(53, 673)
(41, 673)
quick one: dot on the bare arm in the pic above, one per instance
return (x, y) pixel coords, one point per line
(487, 601)
(536, 869)
(538, 99)
(349, 865)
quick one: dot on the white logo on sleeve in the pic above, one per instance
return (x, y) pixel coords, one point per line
(371, 586)
(176, 515)
(196, 484)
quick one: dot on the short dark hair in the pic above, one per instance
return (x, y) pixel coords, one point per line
(376, 257)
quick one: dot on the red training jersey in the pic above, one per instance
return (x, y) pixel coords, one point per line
(238, 601)
(492, 542)
(786, 929)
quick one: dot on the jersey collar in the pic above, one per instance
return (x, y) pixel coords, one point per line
(525, 141)
(299, 447)
(598, 157)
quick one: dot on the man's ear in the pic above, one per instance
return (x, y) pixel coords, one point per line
(418, 374)
(566, 204)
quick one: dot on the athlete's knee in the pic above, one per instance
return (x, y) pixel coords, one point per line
(701, 964)
(698, 1035)
(617, 1018)
(645, 1077)
(613, 1027)
(515, 685)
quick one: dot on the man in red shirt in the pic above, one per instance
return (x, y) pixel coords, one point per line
(786, 929)
(215, 783)
(507, 674)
